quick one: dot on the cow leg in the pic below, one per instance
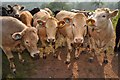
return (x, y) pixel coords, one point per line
(116, 43)
(54, 52)
(105, 57)
(43, 46)
(10, 58)
(77, 53)
(44, 54)
(69, 51)
(68, 56)
(119, 47)
(92, 54)
(105, 61)
(20, 58)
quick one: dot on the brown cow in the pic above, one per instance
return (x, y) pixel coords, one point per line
(17, 36)
(73, 30)
(27, 18)
(47, 27)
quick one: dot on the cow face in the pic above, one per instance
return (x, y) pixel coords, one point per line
(29, 39)
(51, 26)
(101, 17)
(77, 23)
(15, 10)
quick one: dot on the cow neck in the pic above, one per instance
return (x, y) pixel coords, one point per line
(87, 31)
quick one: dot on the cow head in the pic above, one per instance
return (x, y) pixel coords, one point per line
(51, 25)
(15, 10)
(35, 10)
(29, 39)
(101, 17)
(77, 23)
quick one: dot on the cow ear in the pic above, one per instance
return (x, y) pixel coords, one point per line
(67, 20)
(113, 13)
(9, 6)
(61, 24)
(41, 23)
(22, 8)
(90, 22)
(17, 36)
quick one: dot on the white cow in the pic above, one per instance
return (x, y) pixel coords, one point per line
(101, 31)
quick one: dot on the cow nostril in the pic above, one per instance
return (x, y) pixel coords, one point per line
(51, 40)
(79, 40)
(48, 40)
(36, 56)
(16, 15)
(76, 40)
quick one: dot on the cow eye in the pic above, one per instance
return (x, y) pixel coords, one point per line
(26, 42)
(73, 24)
(103, 16)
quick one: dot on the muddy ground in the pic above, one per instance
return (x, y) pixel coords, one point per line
(56, 68)
(81, 68)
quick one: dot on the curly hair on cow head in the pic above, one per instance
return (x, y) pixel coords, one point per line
(107, 10)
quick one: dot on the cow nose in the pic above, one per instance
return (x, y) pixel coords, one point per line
(36, 56)
(79, 40)
(51, 40)
(16, 15)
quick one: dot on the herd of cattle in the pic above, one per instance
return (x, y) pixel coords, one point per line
(22, 29)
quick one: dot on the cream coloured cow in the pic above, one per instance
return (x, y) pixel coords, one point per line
(73, 30)
(101, 31)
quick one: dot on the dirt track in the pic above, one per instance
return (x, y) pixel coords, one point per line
(81, 68)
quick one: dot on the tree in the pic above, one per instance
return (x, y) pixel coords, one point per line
(97, 4)
(119, 5)
(56, 6)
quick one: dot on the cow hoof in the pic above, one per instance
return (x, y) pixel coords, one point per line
(90, 60)
(22, 61)
(67, 62)
(14, 71)
(44, 57)
(105, 61)
(76, 58)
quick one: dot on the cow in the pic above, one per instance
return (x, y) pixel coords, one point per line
(101, 31)
(116, 48)
(87, 13)
(35, 10)
(16, 36)
(27, 18)
(4, 11)
(73, 30)
(15, 10)
(47, 27)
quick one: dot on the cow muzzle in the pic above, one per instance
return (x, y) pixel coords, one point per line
(78, 40)
(35, 56)
(51, 40)
(16, 15)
